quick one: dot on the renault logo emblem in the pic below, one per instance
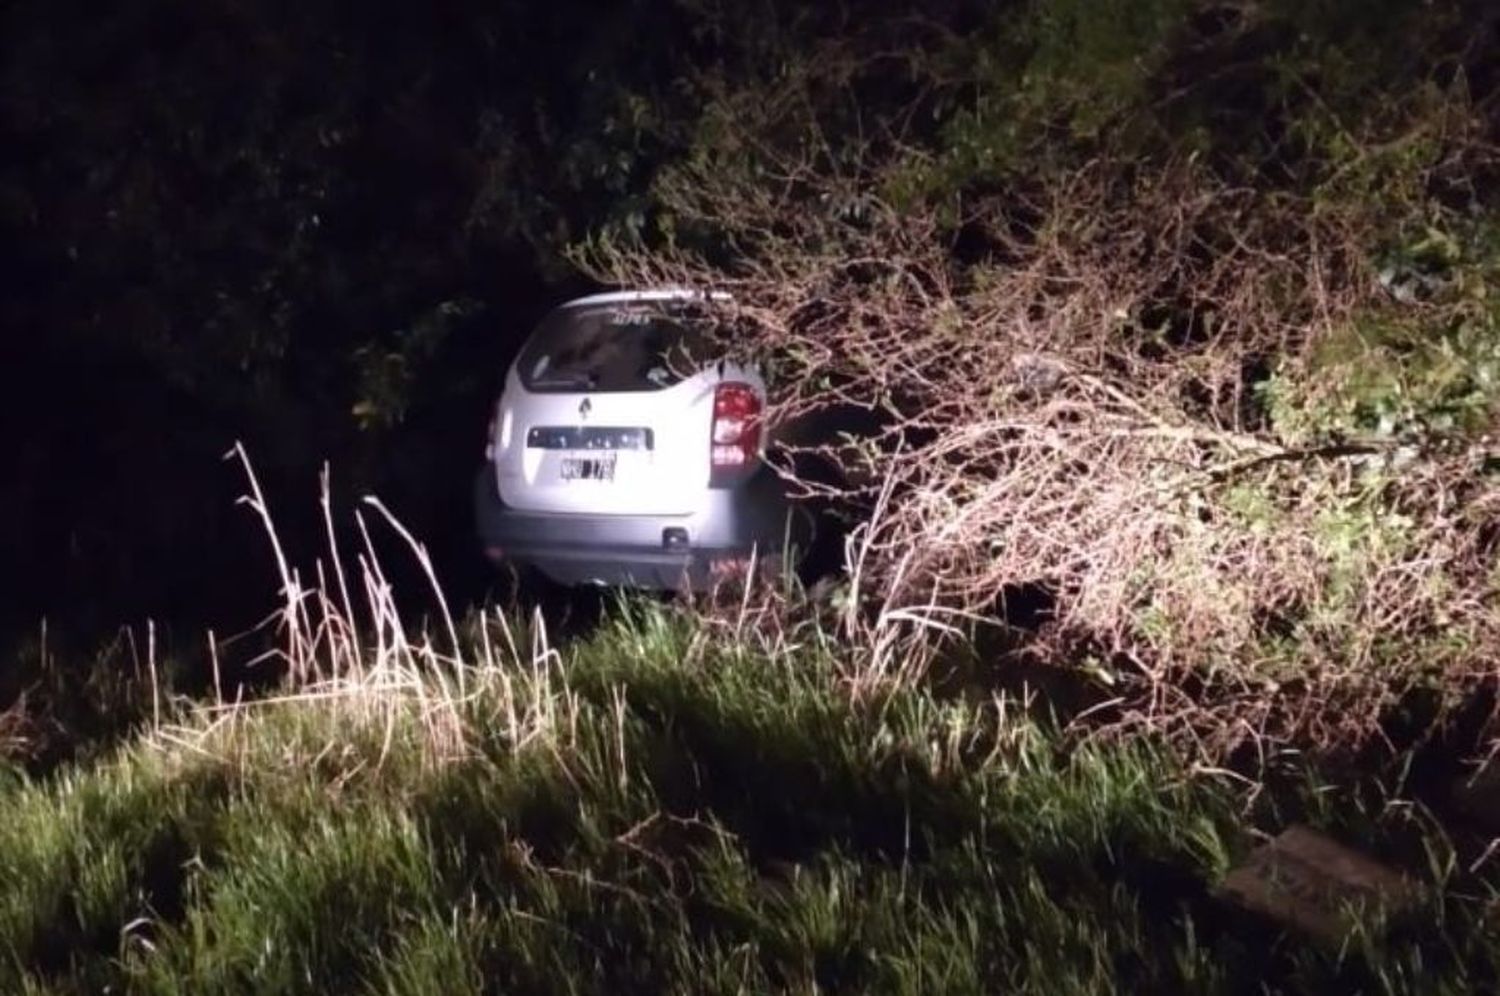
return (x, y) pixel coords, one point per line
(584, 407)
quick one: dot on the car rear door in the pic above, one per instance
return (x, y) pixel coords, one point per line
(607, 411)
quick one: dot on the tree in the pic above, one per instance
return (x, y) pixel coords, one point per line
(1183, 313)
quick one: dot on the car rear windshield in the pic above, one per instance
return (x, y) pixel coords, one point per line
(623, 347)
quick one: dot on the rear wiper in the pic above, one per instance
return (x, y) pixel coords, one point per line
(566, 380)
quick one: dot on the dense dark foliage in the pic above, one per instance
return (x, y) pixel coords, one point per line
(321, 231)
(309, 227)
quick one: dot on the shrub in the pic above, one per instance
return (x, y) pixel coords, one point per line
(1089, 328)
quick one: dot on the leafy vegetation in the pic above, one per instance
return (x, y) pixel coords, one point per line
(1096, 273)
(1183, 313)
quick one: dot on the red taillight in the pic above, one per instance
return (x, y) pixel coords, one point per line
(735, 442)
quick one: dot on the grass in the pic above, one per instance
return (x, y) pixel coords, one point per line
(676, 803)
(662, 808)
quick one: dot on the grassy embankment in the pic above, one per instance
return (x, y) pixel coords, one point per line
(669, 804)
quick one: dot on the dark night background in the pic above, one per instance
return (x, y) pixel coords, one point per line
(308, 227)
(322, 230)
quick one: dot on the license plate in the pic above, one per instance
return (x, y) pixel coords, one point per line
(599, 468)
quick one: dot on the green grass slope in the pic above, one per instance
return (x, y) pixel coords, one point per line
(665, 806)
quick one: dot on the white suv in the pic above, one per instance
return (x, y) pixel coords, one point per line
(626, 449)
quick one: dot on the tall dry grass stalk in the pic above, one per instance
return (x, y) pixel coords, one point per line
(353, 661)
